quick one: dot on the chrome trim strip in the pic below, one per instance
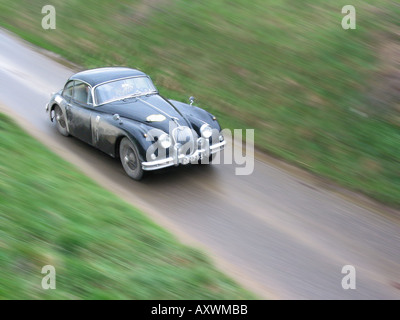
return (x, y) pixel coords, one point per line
(218, 145)
(158, 162)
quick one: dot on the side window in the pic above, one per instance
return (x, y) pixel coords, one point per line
(68, 89)
(89, 99)
(81, 92)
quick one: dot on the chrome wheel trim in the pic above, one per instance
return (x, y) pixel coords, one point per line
(60, 120)
(60, 117)
(130, 158)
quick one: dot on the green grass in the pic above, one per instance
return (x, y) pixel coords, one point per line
(283, 67)
(102, 248)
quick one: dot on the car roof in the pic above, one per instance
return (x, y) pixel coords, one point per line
(96, 76)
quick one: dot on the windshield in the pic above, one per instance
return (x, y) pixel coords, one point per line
(123, 88)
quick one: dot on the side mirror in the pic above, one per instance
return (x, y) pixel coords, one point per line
(191, 100)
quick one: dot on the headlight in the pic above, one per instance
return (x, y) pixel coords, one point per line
(164, 140)
(206, 131)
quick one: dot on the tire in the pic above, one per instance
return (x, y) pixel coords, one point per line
(60, 121)
(130, 159)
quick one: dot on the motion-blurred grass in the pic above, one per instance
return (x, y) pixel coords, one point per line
(317, 95)
(102, 248)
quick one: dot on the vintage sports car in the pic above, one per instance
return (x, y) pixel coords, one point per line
(119, 111)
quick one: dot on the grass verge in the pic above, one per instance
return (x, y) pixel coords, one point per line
(102, 248)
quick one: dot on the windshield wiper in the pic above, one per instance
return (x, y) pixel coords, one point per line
(129, 97)
(147, 94)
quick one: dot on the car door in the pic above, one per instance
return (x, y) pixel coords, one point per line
(79, 112)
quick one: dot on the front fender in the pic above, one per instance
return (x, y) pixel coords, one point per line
(108, 133)
(138, 133)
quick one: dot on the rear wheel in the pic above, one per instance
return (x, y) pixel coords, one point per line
(129, 155)
(60, 121)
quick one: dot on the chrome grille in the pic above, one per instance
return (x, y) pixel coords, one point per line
(184, 136)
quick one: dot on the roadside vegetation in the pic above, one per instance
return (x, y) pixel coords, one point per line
(321, 97)
(101, 248)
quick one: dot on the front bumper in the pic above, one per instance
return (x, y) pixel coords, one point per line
(176, 159)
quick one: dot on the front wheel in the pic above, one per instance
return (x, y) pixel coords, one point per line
(60, 121)
(130, 159)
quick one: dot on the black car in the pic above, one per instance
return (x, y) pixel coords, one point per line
(119, 111)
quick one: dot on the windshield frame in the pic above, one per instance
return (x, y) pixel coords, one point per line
(129, 96)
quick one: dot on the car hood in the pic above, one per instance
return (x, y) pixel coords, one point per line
(138, 109)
